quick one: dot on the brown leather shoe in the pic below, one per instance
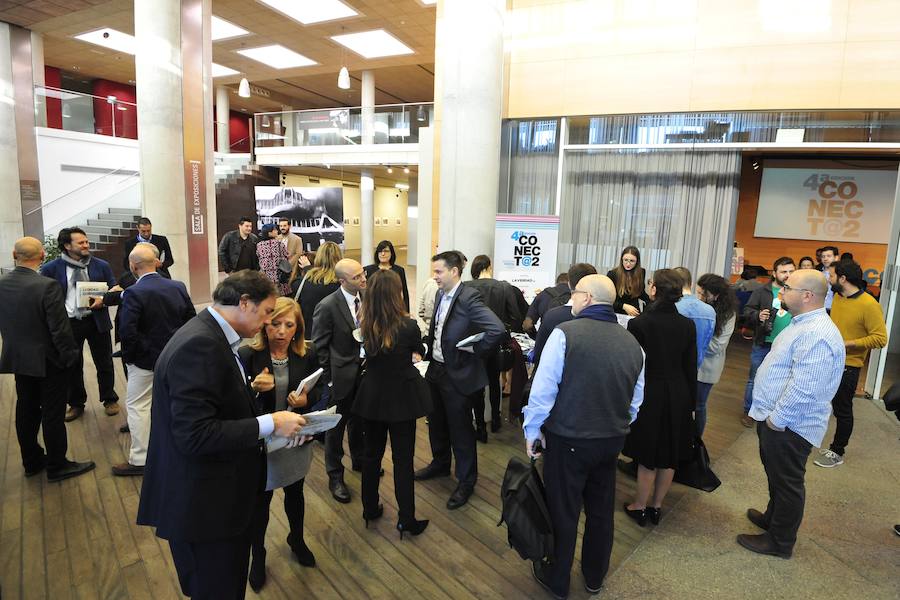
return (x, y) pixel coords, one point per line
(757, 518)
(111, 408)
(73, 413)
(747, 420)
(761, 544)
(127, 469)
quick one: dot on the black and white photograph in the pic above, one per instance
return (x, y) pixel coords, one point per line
(316, 213)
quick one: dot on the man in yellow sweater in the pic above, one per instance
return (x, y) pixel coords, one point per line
(858, 317)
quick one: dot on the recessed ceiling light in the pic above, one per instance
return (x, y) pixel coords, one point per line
(222, 29)
(109, 38)
(277, 57)
(312, 11)
(222, 71)
(428, 2)
(373, 44)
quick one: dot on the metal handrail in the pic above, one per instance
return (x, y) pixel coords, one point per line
(232, 145)
(310, 110)
(82, 94)
(81, 187)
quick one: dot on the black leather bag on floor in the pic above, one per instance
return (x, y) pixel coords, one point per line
(696, 472)
(525, 511)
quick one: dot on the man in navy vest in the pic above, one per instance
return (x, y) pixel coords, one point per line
(152, 310)
(93, 324)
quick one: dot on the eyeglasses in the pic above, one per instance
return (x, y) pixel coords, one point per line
(788, 288)
(579, 292)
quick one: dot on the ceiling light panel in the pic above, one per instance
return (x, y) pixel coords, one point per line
(222, 71)
(277, 57)
(223, 30)
(109, 38)
(311, 11)
(373, 44)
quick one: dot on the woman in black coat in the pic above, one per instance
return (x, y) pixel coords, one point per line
(385, 260)
(628, 278)
(277, 360)
(663, 433)
(391, 396)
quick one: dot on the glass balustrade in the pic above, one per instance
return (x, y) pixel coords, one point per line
(76, 111)
(391, 124)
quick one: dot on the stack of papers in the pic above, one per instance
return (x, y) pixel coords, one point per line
(316, 422)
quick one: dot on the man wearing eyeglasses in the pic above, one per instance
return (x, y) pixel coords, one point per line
(791, 405)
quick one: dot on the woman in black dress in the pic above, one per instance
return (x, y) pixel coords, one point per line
(277, 360)
(391, 396)
(663, 433)
(309, 287)
(385, 260)
(628, 278)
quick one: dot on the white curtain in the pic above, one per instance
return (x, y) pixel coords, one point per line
(676, 206)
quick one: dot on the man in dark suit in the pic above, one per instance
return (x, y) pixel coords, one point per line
(335, 335)
(206, 466)
(145, 234)
(456, 374)
(38, 347)
(92, 324)
(152, 310)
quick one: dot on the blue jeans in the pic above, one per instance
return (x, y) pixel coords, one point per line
(757, 354)
(703, 390)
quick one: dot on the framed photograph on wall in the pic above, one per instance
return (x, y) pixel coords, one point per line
(377, 221)
(399, 221)
(356, 221)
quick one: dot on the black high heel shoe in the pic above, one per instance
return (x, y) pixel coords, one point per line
(257, 574)
(412, 528)
(640, 516)
(653, 514)
(373, 515)
(301, 551)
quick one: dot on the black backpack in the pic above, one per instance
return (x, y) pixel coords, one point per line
(557, 298)
(525, 511)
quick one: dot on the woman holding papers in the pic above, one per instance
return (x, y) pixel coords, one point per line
(391, 396)
(277, 360)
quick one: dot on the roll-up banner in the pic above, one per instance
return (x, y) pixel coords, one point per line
(525, 251)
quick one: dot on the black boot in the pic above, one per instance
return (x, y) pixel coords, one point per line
(257, 576)
(301, 551)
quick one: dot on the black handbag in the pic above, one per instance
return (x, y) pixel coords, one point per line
(284, 270)
(892, 398)
(696, 471)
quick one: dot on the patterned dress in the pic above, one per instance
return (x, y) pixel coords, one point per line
(270, 253)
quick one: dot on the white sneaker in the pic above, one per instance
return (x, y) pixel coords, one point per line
(829, 459)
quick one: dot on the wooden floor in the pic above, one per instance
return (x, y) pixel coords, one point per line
(78, 538)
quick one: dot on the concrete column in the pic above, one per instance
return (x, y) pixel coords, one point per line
(469, 76)
(10, 200)
(287, 122)
(37, 69)
(174, 91)
(367, 216)
(424, 239)
(223, 110)
(368, 107)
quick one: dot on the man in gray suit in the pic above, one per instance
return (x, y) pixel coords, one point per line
(38, 347)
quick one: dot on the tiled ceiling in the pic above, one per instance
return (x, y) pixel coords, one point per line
(408, 78)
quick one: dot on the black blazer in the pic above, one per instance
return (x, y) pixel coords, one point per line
(299, 367)
(205, 465)
(372, 269)
(165, 253)
(500, 298)
(152, 310)
(466, 316)
(312, 294)
(391, 389)
(34, 325)
(336, 348)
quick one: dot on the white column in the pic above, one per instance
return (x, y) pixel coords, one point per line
(174, 92)
(424, 242)
(367, 216)
(469, 69)
(37, 69)
(287, 122)
(368, 107)
(223, 110)
(10, 199)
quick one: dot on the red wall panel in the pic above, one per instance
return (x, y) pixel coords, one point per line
(53, 79)
(125, 120)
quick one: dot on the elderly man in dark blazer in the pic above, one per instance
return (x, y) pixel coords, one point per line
(92, 324)
(456, 374)
(38, 348)
(145, 235)
(152, 310)
(338, 345)
(206, 466)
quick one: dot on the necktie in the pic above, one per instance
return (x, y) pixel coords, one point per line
(356, 310)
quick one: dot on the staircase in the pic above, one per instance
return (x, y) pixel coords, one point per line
(108, 233)
(233, 168)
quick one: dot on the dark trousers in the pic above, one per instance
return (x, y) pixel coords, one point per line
(492, 366)
(334, 440)
(842, 405)
(403, 441)
(783, 455)
(100, 344)
(294, 508)
(450, 426)
(580, 473)
(41, 402)
(212, 570)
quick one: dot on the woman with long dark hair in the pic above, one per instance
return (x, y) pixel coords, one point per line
(310, 287)
(628, 278)
(715, 291)
(386, 260)
(663, 433)
(391, 396)
(278, 359)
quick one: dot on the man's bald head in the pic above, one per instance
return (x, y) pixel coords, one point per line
(804, 291)
(28, 252)
(144, 258)
(811, 280)
(346, 267)
(351, 275)
(600, 287)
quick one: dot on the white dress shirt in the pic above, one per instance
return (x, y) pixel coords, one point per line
(437, 352)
